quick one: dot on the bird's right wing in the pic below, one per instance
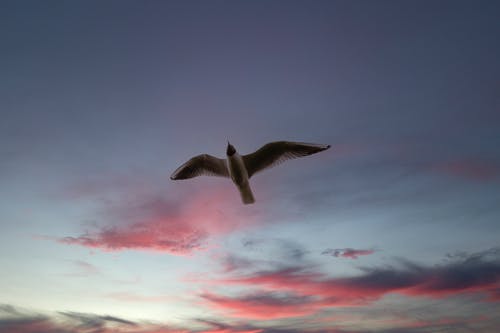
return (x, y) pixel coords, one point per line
(201, 165)
(275, 153)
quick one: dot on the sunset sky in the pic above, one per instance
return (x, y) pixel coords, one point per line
(395, 228)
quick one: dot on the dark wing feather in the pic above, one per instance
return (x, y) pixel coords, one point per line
(201, 165)
(275, 153)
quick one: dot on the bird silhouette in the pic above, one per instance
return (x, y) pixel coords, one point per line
(240, 168)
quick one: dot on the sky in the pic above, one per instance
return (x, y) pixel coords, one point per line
(394, 229)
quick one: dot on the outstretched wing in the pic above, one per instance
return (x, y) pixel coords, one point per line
(275, 153)
(201, 165)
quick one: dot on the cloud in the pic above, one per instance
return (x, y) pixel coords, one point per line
(13, 320)
(154, 223)
(232, 263)
(285, 249)
(94, 322)
(7, 309)
(82, 269)
(219, 327)
(161, 235)
(29, 325)
(347, 253)
(284, 252)
(263, 306)
(477, 273)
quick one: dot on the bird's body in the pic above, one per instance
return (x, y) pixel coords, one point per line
(241, 167)
(239, 174)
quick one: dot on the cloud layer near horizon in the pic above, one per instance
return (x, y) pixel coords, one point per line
(15, 320)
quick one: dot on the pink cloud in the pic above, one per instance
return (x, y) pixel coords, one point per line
(161, 235)
(178, 227)
(334, 292)
(262, 306)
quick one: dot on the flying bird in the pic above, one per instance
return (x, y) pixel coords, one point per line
(240, 168)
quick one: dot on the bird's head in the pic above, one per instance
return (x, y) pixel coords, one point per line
(230, 149)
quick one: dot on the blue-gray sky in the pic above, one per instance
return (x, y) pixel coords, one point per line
(394, 229)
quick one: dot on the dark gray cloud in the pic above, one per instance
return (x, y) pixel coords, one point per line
(15, 320)
(94, 321)
(6, 309)
(285, 249)
(232, 263)
(348, 252)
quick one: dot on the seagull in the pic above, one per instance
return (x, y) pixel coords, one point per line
(240, 168)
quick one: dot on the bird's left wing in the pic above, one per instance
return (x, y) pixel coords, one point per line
(201, 165)
(275, 153)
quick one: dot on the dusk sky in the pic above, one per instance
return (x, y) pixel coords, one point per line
(395, 228)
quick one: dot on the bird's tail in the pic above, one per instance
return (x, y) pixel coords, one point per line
(246, 194)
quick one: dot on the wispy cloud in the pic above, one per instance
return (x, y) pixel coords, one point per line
(348, 252)
(220, 327)
(93, 322)
(176, 227)
(232, 263)
(161, 235)
(284, 252)
(265, 305)
(83, 268)
(473, 274)
(19, 321)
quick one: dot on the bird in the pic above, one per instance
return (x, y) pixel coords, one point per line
(240, 168)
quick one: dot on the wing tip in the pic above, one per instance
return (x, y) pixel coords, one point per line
(174, 176)
(319, 146)
(323, 147)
